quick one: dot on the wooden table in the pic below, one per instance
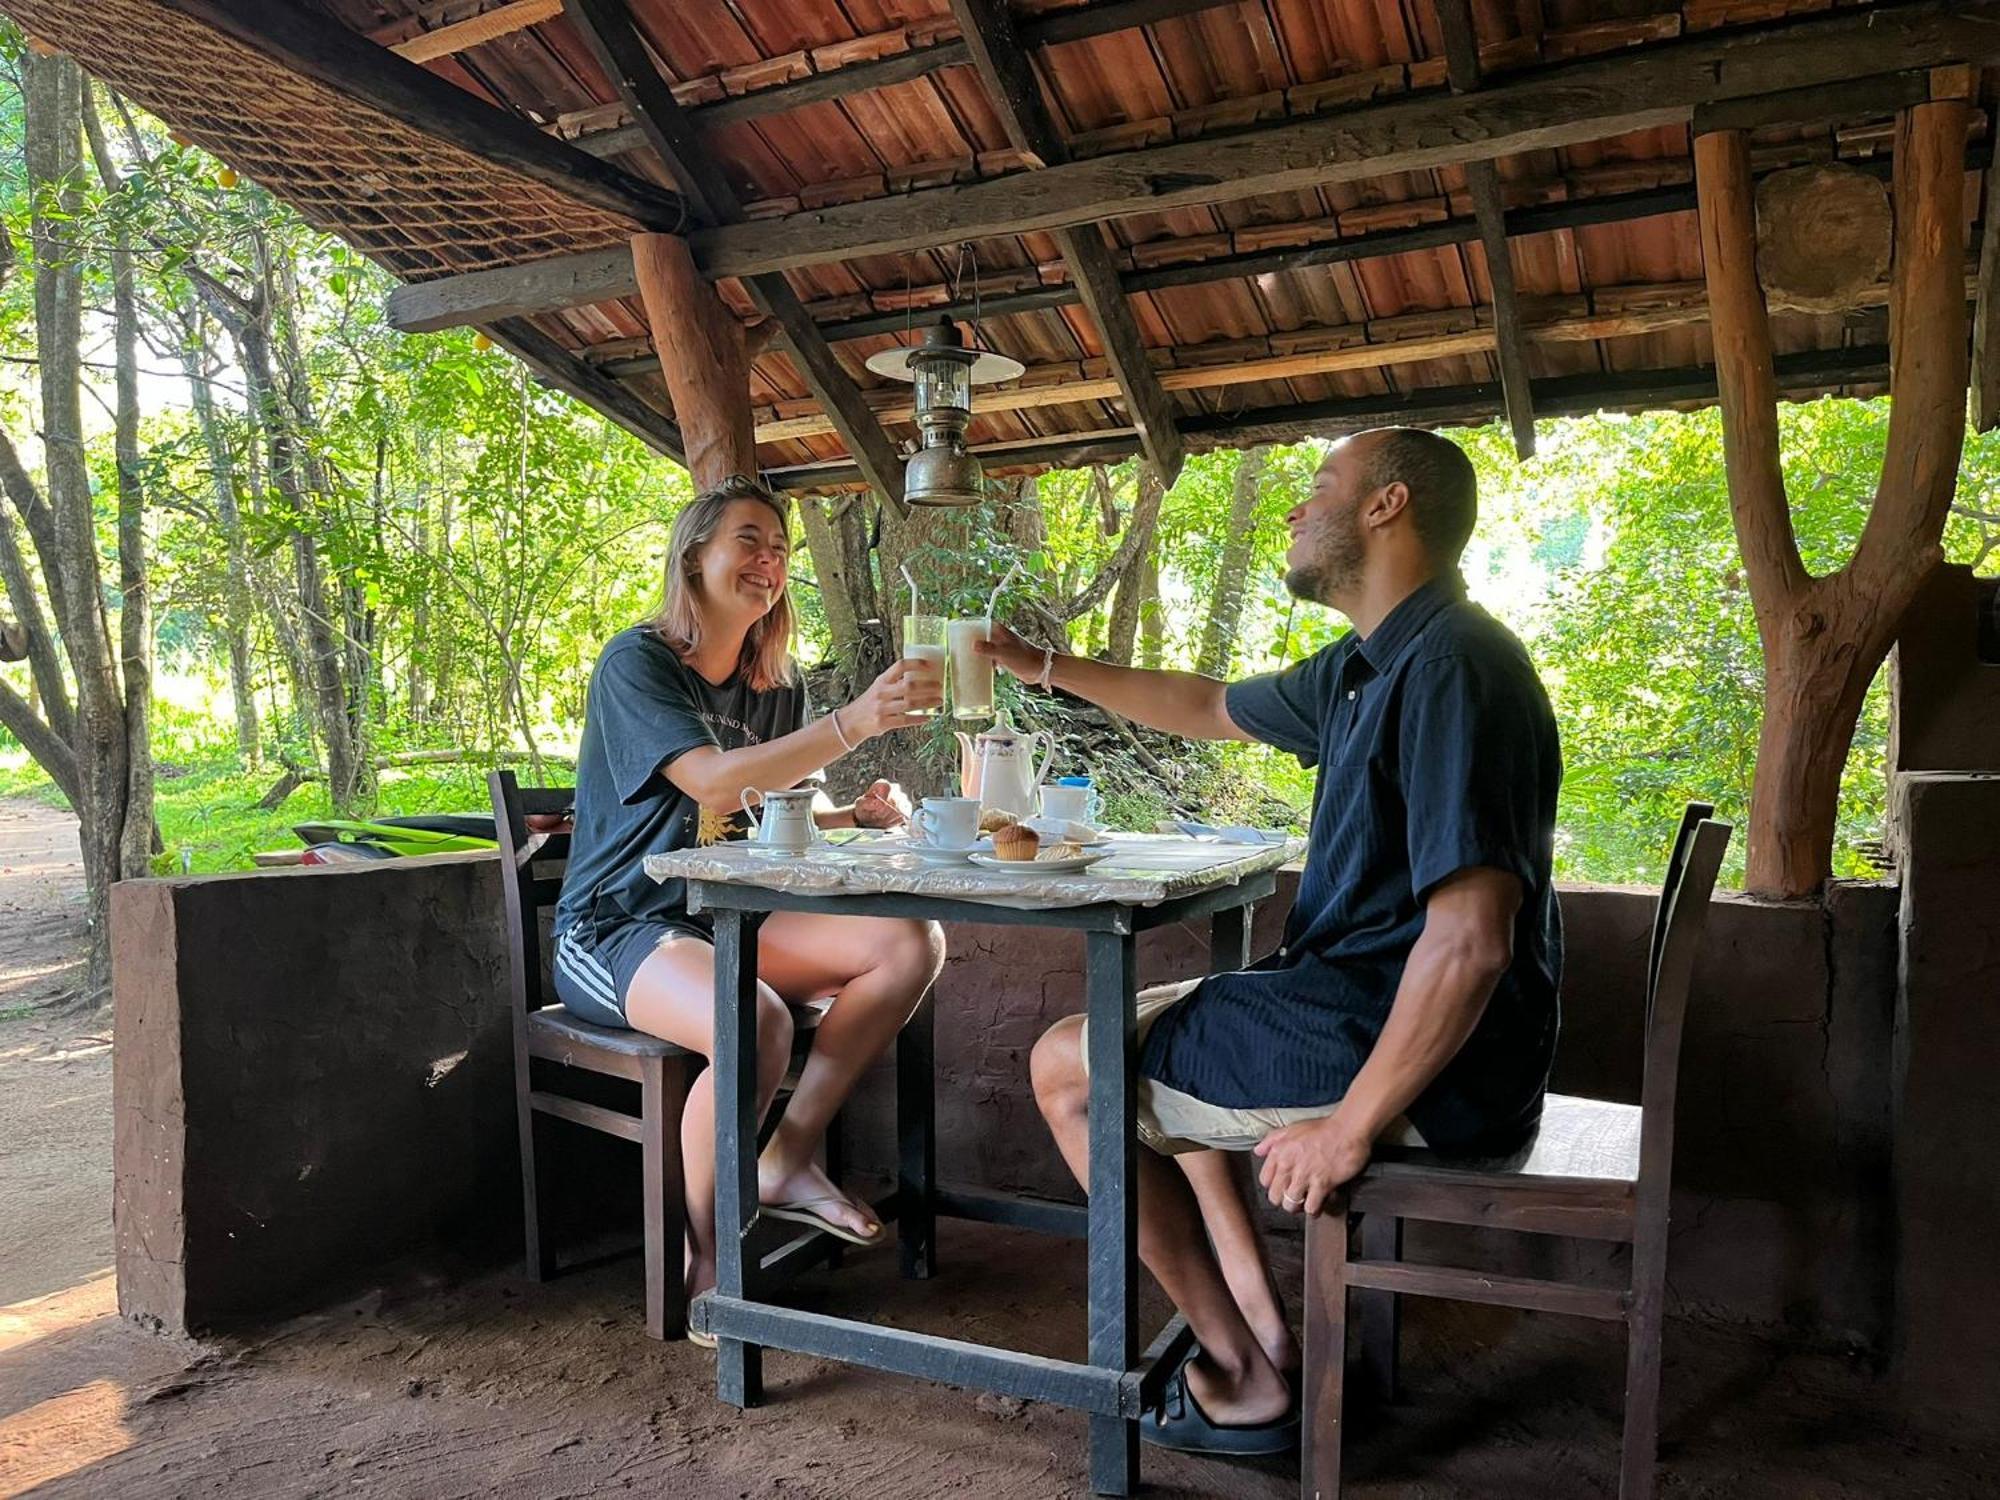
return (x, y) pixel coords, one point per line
(1148, 882)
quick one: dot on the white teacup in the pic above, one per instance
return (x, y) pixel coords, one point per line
(1072, 804)
(946, 822)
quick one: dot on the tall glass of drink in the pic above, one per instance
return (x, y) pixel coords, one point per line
(971, 673)
(924, 643)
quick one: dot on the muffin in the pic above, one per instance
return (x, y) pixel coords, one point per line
(1016, 841)
(994, 819)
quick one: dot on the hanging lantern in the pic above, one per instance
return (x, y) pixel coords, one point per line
(943, 471)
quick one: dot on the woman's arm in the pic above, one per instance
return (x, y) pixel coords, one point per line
(717, 778)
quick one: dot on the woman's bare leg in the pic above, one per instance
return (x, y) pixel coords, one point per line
(672, 996)
(877, 970)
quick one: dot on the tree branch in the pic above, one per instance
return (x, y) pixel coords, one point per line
(1746, 375)
(1927, 340)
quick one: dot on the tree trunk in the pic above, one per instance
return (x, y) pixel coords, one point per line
(1232, 574)
(237, 604)
(837, 592)
(44, 658)
(135, 613)
(54, 138)
(1152, 618)
(1824, 638)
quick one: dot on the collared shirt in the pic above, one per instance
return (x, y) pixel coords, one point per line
(1437, 752)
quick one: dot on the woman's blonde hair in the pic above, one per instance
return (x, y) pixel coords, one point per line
(767, 649)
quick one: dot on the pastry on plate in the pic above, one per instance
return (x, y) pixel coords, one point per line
(1016, 841)
(994, 819)
(1060, 851)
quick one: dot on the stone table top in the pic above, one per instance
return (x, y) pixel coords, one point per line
(1142, 869)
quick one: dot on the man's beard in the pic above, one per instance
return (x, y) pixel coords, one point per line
(1336, 567)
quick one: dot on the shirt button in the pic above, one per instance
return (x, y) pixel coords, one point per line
(1352, 694)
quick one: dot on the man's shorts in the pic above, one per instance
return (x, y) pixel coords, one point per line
(1173, 1123)
(594, 971)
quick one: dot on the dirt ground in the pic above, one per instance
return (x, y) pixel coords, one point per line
(55, 1066)
(483, 1384)
(492, 1386)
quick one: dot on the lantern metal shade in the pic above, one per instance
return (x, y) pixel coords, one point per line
(942, 471)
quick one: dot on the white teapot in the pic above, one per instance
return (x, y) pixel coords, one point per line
(999, 767)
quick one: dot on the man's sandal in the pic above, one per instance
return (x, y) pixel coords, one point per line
(1179, 1423)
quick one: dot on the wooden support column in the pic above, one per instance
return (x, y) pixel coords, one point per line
(703, 358)
(607, 27)
(1489, 211)
(1010, 83)
(1823, 638)
(1985, 404)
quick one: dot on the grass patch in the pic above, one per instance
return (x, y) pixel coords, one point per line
(210, 820)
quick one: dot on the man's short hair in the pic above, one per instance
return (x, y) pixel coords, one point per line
(1444, 492)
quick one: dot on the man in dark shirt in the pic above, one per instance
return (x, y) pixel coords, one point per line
(1414, 998)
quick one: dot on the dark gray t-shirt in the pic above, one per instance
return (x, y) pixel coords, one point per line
(647, 708)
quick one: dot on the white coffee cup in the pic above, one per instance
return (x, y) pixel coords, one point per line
(946, 822)
(1072, 804)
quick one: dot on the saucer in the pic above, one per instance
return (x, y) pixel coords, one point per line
(1040, 866)
(930, 854)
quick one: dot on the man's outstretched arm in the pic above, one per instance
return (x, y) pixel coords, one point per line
(1183, 703)
(1466, 945)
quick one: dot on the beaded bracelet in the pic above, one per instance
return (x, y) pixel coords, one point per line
(845, 743)
(1048, 666)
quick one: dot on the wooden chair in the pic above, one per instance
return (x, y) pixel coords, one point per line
(1597, 1170)
(544, 1030)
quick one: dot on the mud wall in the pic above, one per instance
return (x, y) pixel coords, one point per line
(314, 1076)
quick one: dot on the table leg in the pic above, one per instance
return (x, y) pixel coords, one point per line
(1110, 982)
(916, 1141)
(739, 1367)
(1229, 939)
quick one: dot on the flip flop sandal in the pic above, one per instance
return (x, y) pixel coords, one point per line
(695, 1335)
(1179, 1423)
(801, 1211)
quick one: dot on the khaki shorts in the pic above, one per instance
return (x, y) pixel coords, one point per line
(1173, 1123)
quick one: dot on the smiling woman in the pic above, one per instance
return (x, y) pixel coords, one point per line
(689, 716)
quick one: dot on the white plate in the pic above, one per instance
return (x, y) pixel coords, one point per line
(1039, 866)
(928, 853)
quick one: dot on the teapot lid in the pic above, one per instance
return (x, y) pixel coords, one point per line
(1001, 731)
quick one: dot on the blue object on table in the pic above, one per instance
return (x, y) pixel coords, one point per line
(1074, 781)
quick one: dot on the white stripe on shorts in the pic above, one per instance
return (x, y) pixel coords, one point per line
(584, 968)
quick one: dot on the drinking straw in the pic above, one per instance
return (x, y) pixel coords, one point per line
(915, 607)
(998, 589)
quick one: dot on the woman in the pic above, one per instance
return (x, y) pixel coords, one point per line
(685, 712)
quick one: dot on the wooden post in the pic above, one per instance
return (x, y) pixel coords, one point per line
(1823, 638)
(702, 356)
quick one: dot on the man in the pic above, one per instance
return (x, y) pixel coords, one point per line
(1415, 995)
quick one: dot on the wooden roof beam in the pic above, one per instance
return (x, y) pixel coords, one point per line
(564, 371)
(474, 31)
(606, 26)
(1561, 396)
(583, 280)
(1010, 83)
(901, 67)
(1489, 212)
(1560, 106)
(1062, 385)
(305, 41)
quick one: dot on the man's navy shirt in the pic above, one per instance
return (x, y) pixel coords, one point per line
(1437, 752)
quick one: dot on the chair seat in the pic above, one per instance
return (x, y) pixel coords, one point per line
(555, 1026)
(554, 1029)
(1576, 1177)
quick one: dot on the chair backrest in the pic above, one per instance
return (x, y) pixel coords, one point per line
(1678, 925)
(528, 886)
